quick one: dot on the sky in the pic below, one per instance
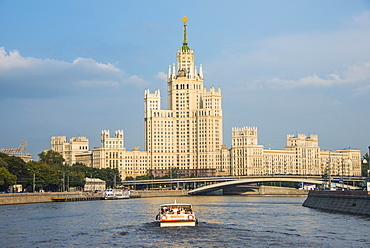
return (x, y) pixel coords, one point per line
(74, 68)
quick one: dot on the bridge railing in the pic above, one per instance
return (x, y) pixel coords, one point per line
(210, 179)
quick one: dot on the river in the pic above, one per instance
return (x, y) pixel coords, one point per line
(224, 221)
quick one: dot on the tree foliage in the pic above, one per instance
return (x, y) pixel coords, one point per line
(51, 157)
(16, 166)
(365, 166)
(47, 176)
(6, 179)
(50, 174)
(144, 177)
(172, 173)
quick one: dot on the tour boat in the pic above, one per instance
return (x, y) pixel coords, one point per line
(115, 194)
(176, 215)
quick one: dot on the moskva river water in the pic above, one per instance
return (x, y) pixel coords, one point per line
(224, 221)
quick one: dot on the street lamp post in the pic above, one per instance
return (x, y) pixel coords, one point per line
(33, 179)
(64, 181)
(33, 187)
(329, 172)
(115, 181)
(93, 181)
(178, 176)
(171, 176)
(368, 170)
(349, 162)
(368, 166)
(342, 172)
(152, 180)
(68, 181)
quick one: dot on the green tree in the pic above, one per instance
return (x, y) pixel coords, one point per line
(15, 166)
(365, 166)
(144, 177)
(175, 172)
(111, 176)
(51, 157)
(6, 179)
(3, 163)
(47, 177)
(77, 174)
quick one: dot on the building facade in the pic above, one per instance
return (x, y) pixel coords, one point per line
(69, 150)
(246, 154)
(187, 136)
(112, 154)
(94, 185)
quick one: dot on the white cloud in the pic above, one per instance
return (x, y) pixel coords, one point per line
(361, 20)
(136, 80)
(90, 63)
(362, 91)
(33, 77)
(97, 83)
(353, 76)
(161, 75)
(318, 59)
(359, 72)
(12, 61)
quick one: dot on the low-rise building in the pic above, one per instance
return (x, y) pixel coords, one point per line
(94, 184)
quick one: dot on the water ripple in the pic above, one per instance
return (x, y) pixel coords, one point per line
(225, 221)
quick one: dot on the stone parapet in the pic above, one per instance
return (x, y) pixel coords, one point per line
(24, 198)
(339, 201)
(264, 191)
(161, 193)
(339, 192)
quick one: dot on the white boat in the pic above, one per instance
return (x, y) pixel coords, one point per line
(115, 194)
(176, 215)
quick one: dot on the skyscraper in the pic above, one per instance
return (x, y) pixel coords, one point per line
(188, 135)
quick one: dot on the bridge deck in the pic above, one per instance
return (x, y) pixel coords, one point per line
(220, 185)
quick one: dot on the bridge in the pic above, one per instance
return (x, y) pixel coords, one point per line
(217, 186)
(202, 180)
(208, 184)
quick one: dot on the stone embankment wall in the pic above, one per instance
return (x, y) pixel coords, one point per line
(24, 198)
(161, 193)
(270, 190)
(264, 191)
(351, 202)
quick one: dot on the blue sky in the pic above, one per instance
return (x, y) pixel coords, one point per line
(74, 68)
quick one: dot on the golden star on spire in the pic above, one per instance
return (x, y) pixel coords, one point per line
(184, 19)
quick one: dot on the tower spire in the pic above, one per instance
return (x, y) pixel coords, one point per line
(185, 47)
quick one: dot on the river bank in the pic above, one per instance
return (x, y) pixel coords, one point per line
(27, 198)
(350, 202)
